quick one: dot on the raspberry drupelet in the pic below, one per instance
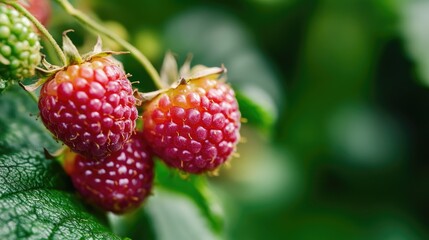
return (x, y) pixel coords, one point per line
(90, 107)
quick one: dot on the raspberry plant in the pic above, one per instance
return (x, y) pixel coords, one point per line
(112, 160)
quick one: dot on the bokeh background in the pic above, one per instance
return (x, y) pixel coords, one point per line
(338, 148)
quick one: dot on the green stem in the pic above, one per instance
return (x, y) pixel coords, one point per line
(41, 28)
(90, 23)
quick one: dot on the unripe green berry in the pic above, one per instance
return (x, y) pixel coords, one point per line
(19, 47)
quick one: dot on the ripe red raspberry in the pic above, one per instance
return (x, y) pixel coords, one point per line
(118, 183)
(90, 107)
(194, 127)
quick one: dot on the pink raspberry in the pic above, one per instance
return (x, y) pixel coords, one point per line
(90, 107)
(118, 183)
(194, 127)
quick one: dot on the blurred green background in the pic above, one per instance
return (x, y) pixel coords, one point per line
(339, 148)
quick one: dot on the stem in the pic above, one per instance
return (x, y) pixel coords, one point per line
(90, 23)
(41, 28)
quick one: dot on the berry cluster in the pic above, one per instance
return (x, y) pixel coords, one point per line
(89, 105)
(19, 47)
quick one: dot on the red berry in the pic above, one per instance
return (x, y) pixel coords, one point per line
(118, 183)
(41, 9)
(90, 107)
(194, 127)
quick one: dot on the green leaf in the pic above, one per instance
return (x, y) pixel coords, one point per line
(414, 32)
(194, 187)
(167, 215)
(19, 128)
(254, 113)
(36, 198)
(176, 217)
(34, 203)
(182, 207)
(70, 50)
(136, 225)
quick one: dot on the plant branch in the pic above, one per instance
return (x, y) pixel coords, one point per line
(90, 23)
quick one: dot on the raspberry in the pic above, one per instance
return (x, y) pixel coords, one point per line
(194, 127)
(19, 46)
(118, 183)
(90, 107)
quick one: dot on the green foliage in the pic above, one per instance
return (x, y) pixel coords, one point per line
(195, 189)
(34, 205)
(255, 114)
(36, 200)
(332, 170)
(175, 216)
(182, 207)
(166, 215)
(19, 128)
